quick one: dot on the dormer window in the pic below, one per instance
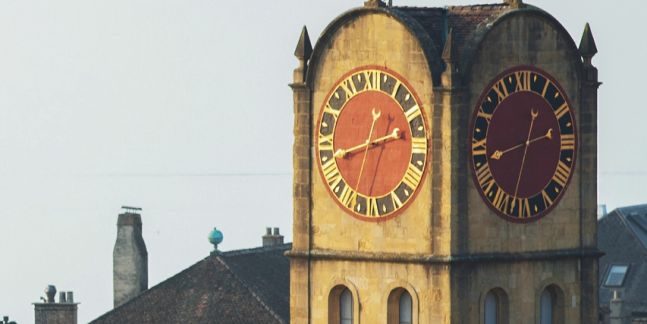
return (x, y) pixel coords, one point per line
(616, 275)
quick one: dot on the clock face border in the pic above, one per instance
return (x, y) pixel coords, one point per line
(425, 124)
(473, 170)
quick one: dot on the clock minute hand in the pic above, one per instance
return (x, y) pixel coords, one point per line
(498, 154)
(340, 153)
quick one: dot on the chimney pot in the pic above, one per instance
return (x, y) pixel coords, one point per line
(268, 231)
(61, 298)
(70, 297)
(276, 231)
(50, 291)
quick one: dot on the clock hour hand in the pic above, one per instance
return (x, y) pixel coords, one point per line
(498, 154)
(340, 153)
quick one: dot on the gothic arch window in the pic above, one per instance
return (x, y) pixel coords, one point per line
(400, 307)
(495, 307)
(341, 308)
(551, 305)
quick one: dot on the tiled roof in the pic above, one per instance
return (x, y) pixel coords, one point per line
(622, 236)
(244, 286)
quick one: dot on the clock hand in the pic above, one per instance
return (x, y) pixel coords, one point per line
(498, 154)
(340, 153)
(376, 115)
(533, 115)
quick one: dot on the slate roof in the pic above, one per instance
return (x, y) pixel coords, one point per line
(622, 236)
(243, 286)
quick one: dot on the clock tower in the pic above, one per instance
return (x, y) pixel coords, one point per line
(445, 168)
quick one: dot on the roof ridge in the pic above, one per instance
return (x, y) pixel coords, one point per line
(625, 219)
(256, 249)
(251, 291)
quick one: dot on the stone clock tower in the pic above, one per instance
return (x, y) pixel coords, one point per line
(445, 168)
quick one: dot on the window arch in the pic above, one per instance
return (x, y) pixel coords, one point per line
(495, 307)
(341, 306)
(401, 308)
(551, 305)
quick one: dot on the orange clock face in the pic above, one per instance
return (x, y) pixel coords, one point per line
(523, 144)
(372, 143)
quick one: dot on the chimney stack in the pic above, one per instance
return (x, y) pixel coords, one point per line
(270, 239)
(51, 312)
(129, 257)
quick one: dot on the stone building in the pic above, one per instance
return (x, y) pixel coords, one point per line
(623, 269)
(445, 168)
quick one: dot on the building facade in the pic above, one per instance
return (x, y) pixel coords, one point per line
(445, 168)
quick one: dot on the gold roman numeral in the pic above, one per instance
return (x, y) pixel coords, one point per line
(501, 200)
(481, 113)
(371, 207)
(484, 177)
(325, 142)
(347, 197)
(348, 87)
(561, 111)
(413, 113)
(501, 90)
(479, 147)
(372, 80)
(397, 203)
(523, 80)
(419, 145)
(546, 198)
(412, 176)
(568, 141)
(524, 207)
(543, 91)
(562, 173)
(396, 87)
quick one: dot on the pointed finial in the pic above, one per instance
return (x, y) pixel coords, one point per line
(374, 3)
(514, 3)
(587, 44)
(449, 51)
(304, 48)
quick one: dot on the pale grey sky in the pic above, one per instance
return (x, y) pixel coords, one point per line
(183, 108)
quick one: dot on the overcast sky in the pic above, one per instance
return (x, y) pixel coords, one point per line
(182, 108)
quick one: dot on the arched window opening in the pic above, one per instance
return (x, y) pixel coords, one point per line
(341, 306)
(346, 307)
(551, 307)
(405, 308)
(400, 307)
(495, 307)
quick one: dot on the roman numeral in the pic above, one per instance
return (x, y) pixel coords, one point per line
(372, 80)
(524, 207)
(543, 92)
(486, 116)
(329, 169)
(561, 111)
(395, 200)
(501, 90)
(523, 81)
(412, 177)
(371, 207)
(479, 147)
(330, 110)
(501, 200)
(562, 173)
(348, 87)
(396, 88)
(333, 177)
(419, 145)
(325, 142)
(568, 141)
(413, 113)
(546, 198)
(347, 197)
(484, 177)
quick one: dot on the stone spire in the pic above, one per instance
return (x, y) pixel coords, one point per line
(449, 77)
(587, 45)
(302, 52)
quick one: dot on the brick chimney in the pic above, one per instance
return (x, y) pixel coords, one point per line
(272, 239)
(129, 257)
(51, 312)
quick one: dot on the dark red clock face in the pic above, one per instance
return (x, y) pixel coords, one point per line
(523, 144)
(372, 143)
